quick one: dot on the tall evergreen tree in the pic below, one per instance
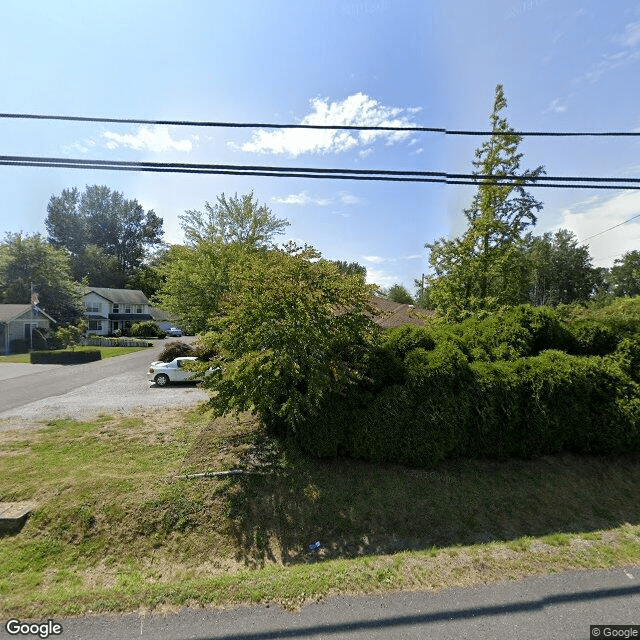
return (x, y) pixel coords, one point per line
(485, 267)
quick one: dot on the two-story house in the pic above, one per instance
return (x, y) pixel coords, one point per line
(108, 310)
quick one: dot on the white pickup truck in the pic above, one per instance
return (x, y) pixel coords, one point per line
(162, 373)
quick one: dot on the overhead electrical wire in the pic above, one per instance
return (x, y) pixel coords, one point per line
(571, 182)
(270, 125)
(610, 228)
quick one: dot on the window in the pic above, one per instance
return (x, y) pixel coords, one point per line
(116, 307)
(93, 307)
(95, 325)
(127, 308)
(139, 309)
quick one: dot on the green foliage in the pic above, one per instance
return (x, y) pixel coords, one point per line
(176, 349)
(592, 338)
(624, 276)
(117, 227)
(292, 330)
(236, 220)
(146, 329)
(621, 316)
(67, 336)
(97, 268)
(486, 268)
(398, 293)
(195, 280)
(197, 276)
(502, 386)
(65, 357)
(29, 260)
(561, 271)
(351, 268)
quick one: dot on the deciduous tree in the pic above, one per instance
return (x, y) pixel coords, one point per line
(117, 226)
(30, 261)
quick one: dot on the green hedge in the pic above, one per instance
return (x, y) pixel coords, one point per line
(65, 357)
(523, 383)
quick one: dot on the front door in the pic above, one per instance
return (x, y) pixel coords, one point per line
(28, 328)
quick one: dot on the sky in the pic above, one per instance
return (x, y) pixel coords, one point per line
(564, 64)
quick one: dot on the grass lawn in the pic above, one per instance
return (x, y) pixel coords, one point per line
(107, 352)
(115, 528)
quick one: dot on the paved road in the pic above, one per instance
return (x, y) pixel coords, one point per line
(559, 607)
(42, 392)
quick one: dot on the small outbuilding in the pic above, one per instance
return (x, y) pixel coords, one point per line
(19, 324)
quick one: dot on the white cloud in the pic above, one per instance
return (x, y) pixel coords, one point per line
(156, 138)
(631, 35)
(381, 278)
(595, 215)
(348, 198)
(303, 198)
(358, 109)
(557, 106)
(380, 259)
(628, 39)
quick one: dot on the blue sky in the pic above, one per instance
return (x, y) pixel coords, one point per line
(564, 64)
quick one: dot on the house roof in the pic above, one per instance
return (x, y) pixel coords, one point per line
(122, 296)
(395, 314)
(9, 312)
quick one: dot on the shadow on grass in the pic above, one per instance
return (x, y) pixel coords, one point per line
(355, 508)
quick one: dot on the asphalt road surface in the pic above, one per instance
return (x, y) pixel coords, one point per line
(43, 392)
(559, 607)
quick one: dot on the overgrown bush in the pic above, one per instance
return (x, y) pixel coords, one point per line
(176, 349)
(146, 329)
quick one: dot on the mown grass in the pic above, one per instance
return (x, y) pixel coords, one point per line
(107, 352)
(115, 529)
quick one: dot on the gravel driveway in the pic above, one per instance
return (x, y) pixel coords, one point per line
(122, 387)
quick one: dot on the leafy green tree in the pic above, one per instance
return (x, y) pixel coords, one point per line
(561, 270)
(196, 276)
(119, 227)
(97, 268)
(29, 260)
(148, 277)
(398, 293)
(484, 268)
(624, 276)
(194, 279)
(351, 268)
(236, 220)
(291, 329)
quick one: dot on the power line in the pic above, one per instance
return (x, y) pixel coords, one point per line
(347, 127)
(609, 229)
(442, 177)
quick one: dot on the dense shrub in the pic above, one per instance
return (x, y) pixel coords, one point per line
(176, 349)
(146, 329)
(447, 408)
(64, 357)
(19, 345)
(592, 338)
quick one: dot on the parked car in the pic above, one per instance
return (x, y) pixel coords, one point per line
(162, 373)
(174, 332)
